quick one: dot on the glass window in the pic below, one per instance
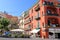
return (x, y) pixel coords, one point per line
(32, 17)
(38, 24)
(38, 14)
(32, 25)
(32, 10)
(48, 11)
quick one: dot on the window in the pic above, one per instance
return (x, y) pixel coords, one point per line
(43, 24)
(48, 11)
(44, 3)
(32, 17)
(32, 10)
(32, 25)
(37, 17)
(38, 24)
(53, 22)
(48, 3)
(42, 13)
(49, 22)
(51, 3)
(58, 5)
(38, 14)
(29, 26)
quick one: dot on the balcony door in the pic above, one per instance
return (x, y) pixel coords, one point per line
(53, 22)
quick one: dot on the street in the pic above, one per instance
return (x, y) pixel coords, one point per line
(26, 39)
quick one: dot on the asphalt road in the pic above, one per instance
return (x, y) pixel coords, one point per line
(26, 39)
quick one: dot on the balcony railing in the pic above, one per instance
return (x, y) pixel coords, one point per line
(49, 12)
(51, 26)
(52, 14)
(28, 27)
(37, 17)
(27, 21)
(58, 5)
(26, 14)
(37, 8)
(48, 3)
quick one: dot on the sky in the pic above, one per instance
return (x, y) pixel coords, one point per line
(16, 7)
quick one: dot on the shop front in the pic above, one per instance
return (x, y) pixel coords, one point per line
(54, 33)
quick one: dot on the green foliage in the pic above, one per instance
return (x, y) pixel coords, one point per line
(1, 26)
(4, 23)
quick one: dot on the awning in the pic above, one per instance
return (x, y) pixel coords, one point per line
(17, 30)
(35, 30)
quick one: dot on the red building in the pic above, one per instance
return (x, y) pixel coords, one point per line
(44, 15)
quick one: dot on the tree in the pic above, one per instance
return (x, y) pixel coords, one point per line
(1, 26)
(4, 23)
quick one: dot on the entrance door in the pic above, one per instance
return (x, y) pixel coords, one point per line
(59, 35)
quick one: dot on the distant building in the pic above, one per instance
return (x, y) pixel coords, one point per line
(13, 19)
(21, 21)
(2, 15)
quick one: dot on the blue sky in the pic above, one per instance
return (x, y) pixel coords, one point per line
(16, 7)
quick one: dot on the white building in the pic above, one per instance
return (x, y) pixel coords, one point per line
(21, 21)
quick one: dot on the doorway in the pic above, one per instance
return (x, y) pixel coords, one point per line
(57, 35)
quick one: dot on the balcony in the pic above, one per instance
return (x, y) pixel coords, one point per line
(54, 26)
(28, 21)
(26, 14)
(52, 14)
(58, 5)
(37, 17)
(44, 3)
(51, 26)
(48, 3)
(28, 27)
(37, 8)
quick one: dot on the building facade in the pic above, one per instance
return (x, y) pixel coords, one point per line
(21, 21)
(44, 15)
